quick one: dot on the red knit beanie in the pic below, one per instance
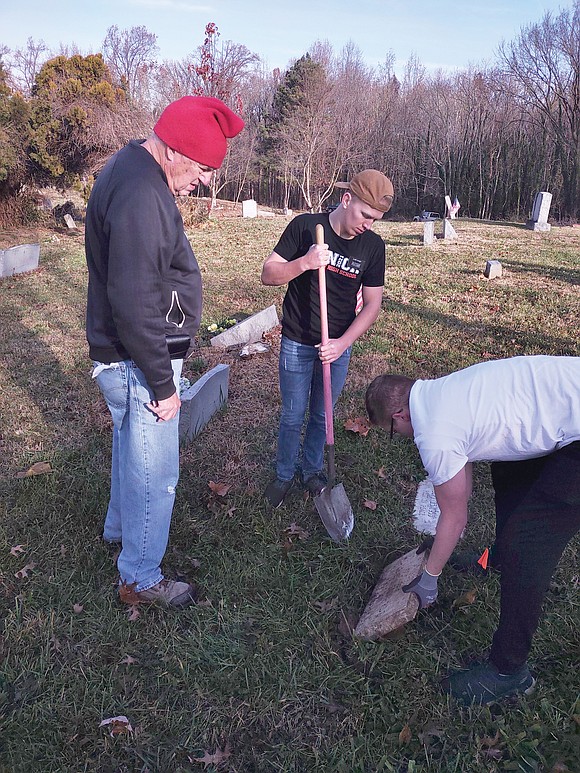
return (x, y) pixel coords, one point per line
(197, 127)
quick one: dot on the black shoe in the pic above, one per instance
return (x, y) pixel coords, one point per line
(468, 561)
(315, 483)
(276, 491)
(484, 684)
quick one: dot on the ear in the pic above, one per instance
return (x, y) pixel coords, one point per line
(403, 414)
(346, 199)
(169, 153)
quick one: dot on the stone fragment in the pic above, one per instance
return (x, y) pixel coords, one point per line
(248, 330)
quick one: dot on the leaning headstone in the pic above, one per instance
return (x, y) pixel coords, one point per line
(249, 208)
(288, 212)
(428, 232)
(248, 330)
(70, 223)
(201, 400)
(17, 260)
(540, 212)
(448, 207)
(493, 269)
(448, 231)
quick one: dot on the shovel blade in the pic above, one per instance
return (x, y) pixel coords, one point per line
(335, 512)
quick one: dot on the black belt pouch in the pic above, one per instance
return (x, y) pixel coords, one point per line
(178, 346)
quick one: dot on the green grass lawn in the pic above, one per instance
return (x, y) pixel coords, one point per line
(264, 674)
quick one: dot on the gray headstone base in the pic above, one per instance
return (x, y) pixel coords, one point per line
(428, 232)
(533, 225)
(201, 400)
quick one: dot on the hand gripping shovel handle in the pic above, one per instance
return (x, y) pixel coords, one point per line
(326, 378)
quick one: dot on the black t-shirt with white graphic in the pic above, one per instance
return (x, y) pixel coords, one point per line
(354, 263)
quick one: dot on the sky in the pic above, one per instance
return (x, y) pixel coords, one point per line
(441, 34)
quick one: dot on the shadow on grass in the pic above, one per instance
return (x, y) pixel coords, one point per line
(570, 275)
(494, 332)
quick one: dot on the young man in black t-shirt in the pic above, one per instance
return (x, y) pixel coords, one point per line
(354, 258)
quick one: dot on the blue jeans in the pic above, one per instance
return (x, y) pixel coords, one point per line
(300, 372)
(144, 472)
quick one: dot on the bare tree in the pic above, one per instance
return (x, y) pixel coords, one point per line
(130, 54)
(542, 73)
(26, 64)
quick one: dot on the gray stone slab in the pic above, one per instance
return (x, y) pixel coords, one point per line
(428, 232)
(248, 330)
(201, 400)
(17, 260)
(448, 231)
(541, 208)
(493, 269)
(70, 223)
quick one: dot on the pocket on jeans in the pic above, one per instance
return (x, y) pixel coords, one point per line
(112, 383)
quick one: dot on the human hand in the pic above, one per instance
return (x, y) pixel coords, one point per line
(317, 257)
(424, 587)
(165, 409)
(330, 351)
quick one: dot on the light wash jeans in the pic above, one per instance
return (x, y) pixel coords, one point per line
(300, 373)
(144, 472)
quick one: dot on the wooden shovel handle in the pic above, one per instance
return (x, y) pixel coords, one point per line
(326, 377)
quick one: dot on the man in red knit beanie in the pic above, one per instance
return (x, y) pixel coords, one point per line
(143, 310)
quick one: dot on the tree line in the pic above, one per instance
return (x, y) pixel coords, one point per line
(492, 135)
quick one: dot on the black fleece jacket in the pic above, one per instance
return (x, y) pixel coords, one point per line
(144, 281)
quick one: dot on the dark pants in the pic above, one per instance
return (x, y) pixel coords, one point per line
(537, 505)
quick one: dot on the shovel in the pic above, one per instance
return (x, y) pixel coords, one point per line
(332, 503)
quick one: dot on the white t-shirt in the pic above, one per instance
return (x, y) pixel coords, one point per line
(501, 410)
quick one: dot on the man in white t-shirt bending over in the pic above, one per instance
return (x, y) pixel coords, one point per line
(523, 415)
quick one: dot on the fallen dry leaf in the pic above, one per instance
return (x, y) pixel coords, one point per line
(359, 425)
(16, 549)
(128, 660)
(22, 573)
(38, 468)
(133, 613)
(325, 606)
(405, 735)
(466, 598)
(487, 741)
(219, 489)
(78, 608)
(212, 759)
(370, 504)
(128, 594)
(560, 767)
(296, 531)
(494, 754)
(117, 726)
(381, 472)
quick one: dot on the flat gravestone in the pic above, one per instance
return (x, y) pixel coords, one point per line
(248, 330)
(249, 208)
(390, 607)
(201, 400)
(17, 260)
(448, 231)
(428, 232)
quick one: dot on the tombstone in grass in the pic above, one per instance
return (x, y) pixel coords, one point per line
(201, 400)
(448, 231)
(493, 269)
(540, 212)
(19, 259)
(428, 232)
(249, 208)
(248, 330)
